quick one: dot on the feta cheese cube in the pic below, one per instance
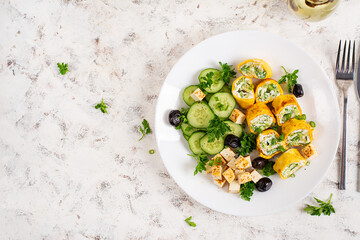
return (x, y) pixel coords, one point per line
(237, 116)
(220, 182)
(234, 187)
(198, 95)
(208, 168)
(218, 160)
(244, 177)
(217, 171)
(309, 152)
(228, 154)
(243, 163)
(255, 176)
(238, 172)
(231, 163)
(229, 175)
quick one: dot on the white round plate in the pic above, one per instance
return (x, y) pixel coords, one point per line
(319, 104)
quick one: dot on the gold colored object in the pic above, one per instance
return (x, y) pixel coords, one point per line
(259, 110)
(292, 128)
(255, 68)
(262, 89)
(281, 102)
(243, 91)
(289, 162)
(259, 139)
(313, 10)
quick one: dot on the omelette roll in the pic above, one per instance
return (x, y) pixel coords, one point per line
(285, 108)
(259, 117)
(297, 133)
(255, 68)
(267, 90)
(243, 91)
(268, 143)
(289, 162)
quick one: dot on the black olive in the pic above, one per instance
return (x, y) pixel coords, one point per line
(174, 118)
(232, 141)
(298, 90)
(259, 163)
(264, 184)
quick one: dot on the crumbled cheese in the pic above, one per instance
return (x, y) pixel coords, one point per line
(198, 95)
(229, 175)
(237, 116)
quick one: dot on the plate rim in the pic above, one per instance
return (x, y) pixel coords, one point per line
(332, 92)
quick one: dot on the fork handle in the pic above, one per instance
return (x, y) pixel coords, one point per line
(343, 149)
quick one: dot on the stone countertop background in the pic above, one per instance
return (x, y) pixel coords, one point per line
(69, 172)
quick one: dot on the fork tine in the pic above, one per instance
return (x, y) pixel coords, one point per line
(353, 58)
(348, 58)
(338, 57)
(343, 58)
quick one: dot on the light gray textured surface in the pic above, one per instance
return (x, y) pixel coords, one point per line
(69, 172)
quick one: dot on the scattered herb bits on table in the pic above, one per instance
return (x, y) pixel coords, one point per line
(228, 117)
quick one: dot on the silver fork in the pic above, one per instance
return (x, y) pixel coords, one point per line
(344, 77)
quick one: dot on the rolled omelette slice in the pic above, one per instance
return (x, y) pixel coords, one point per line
(297, 133)
(289, 162)
(269, 144)
(243, 91)
(259, 117)
(255, 68)
(285, 108)
(267, 90)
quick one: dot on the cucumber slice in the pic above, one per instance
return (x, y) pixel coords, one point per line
(208, 96)
(222, 104)
(187, 129)
(235, 129)
(186, 137)
(187, 94)
(194, 142)
(226, 88)
(217, 82)
(211, 148)
(200, 115)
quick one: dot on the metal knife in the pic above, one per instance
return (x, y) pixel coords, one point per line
(358, 79)
(358, 94)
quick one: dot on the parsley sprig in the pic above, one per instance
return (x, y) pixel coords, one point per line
(145, 129)
(268, 170)
(102, 106)
(206, 82)
(325, 208)
(183, 117)
(63, 68)
(247, 144)
(247, 190)
(217, 129)
(201, 159)
(227, 72)
(188, 221)
(290, 78)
